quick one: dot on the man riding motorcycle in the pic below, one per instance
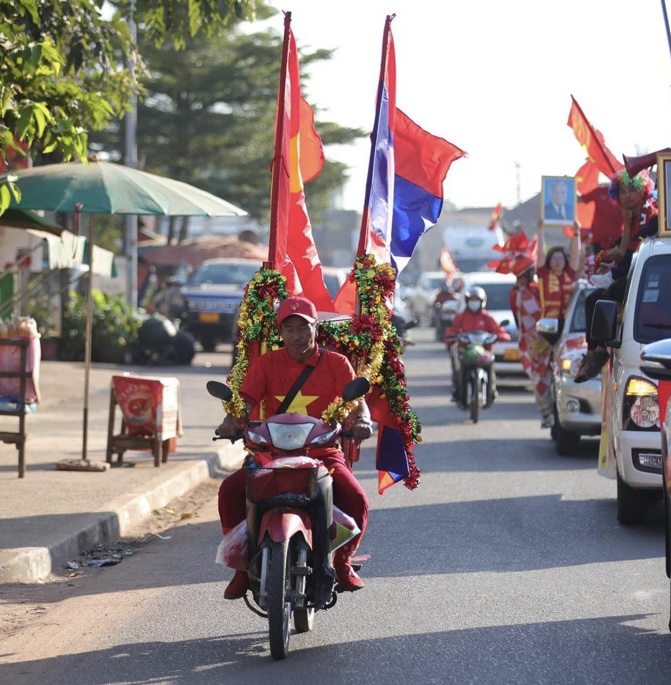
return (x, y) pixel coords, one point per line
(474, 318)
(269, 379)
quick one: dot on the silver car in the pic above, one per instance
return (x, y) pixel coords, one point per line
(577, 406)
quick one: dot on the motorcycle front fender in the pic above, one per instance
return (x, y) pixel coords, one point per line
(282, 524)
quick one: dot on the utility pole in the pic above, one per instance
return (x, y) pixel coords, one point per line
(130, 160)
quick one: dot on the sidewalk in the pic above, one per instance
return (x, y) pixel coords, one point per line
(50, 516)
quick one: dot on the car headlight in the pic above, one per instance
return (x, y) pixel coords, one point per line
(640, 410)
(569, 365)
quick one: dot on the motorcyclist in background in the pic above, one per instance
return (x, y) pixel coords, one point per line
(474, 318)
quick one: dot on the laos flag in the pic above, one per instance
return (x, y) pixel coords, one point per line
(407, 167)
(403, 200)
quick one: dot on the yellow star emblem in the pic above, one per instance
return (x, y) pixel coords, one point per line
(299, 405)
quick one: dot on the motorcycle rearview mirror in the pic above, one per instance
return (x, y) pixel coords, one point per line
(219, 390)
(355, 389)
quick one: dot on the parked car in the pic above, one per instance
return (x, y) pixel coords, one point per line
(498, 287)
(633, 448)
(212, 296)
(577, 406)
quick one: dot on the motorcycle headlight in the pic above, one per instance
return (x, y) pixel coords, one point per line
(289, 436)
(640, 408)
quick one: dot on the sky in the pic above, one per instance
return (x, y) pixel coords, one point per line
(495, 78)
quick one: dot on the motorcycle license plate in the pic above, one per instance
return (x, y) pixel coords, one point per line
(511, 354)
(208, 317)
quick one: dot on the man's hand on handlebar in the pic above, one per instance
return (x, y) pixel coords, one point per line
(230, 427)
(361, 430)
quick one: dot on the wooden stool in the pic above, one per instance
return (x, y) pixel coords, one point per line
(121, 442)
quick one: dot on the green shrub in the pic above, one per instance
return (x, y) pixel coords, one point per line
(115, 325)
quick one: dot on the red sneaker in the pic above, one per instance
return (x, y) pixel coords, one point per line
(237, 588)
(348, 578)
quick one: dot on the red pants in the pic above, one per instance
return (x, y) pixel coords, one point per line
(348, 495)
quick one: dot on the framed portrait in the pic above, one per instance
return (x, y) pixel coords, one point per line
(558, 200)
(664, 193)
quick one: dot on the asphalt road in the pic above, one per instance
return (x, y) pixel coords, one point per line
(506, 565)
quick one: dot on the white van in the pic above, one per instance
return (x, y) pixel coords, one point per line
(631, 449)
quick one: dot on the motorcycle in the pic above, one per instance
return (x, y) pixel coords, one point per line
(472, 360)
(292, 527)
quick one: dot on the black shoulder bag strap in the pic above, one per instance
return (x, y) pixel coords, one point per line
(307, 370)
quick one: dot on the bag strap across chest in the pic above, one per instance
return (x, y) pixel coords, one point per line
(298, 384)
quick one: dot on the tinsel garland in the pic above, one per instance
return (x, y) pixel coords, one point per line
(368, 340)
(256, 323)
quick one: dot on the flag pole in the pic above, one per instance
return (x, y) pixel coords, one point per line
(593, 134)
(666, 24)
(363, 234)
(278, 157)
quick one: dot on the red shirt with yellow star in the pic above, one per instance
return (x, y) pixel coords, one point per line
(272, 375)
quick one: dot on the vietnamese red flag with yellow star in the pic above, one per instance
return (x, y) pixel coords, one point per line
(299, 157)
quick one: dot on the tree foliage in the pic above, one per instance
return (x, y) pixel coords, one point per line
(208, 118)
(62, 71)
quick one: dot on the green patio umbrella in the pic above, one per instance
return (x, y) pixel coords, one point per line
(109, 188)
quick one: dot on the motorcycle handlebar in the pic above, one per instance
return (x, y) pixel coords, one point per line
(238, 436)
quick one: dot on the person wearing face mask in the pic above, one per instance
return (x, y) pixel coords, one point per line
(475, 318)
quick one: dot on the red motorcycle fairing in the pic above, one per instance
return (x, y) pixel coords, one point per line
(282, 524)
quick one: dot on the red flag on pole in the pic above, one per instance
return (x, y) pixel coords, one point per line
(299, 157)
(496, 216)
(592, 141)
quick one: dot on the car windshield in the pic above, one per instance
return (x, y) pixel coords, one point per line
(224, 274)
(498, 295)
(652, 318)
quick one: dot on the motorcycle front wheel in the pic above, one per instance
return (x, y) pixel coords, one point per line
(474, 396)
(279, 604)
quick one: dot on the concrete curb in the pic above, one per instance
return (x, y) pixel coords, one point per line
(116, 518)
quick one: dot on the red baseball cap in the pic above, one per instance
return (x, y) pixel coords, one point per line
(296, 306)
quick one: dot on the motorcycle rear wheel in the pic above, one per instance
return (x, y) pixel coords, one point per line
(279, 604)
(474, 398)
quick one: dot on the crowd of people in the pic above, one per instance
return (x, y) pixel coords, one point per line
(544, 284)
